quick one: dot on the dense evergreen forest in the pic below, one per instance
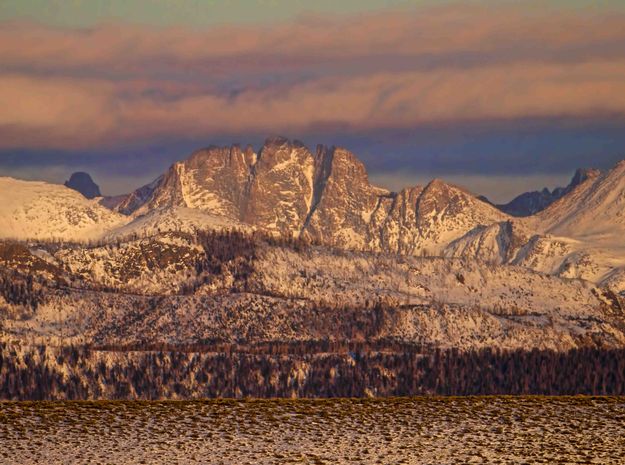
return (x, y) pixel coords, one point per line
(291, 370)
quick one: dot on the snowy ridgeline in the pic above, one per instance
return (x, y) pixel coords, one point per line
(177, 288)
(326, 198)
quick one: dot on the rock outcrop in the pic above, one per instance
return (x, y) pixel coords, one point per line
(325, 197)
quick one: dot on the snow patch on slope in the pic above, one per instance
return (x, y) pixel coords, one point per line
(178, 219)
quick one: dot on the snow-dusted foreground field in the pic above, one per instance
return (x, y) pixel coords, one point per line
(554, 430)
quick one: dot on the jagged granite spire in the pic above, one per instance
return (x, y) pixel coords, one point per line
(324, 196)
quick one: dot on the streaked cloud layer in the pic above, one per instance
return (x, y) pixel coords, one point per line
(112, 84)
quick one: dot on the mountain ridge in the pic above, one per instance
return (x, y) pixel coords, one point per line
(289, 190)
(326, 197)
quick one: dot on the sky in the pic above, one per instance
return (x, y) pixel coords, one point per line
(500, 97)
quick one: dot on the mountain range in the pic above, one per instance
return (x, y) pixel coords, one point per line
(287, 243)
(325, 197)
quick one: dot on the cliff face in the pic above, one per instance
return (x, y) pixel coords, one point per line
(326, 197)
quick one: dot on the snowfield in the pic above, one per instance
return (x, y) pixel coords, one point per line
(38, 210)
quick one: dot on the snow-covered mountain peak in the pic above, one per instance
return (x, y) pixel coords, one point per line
(39, 210)
(441, 198)
(445, 212)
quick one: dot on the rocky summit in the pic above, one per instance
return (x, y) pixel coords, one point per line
(324, 196)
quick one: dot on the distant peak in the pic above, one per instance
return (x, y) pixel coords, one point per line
(82, 182)
(582, 174)
(485, 199)
(80, 176)
(530, 203)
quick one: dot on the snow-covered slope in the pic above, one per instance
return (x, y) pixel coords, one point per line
(181, 288)
(594, 211)
(590, 220)
(497, 243)
(578, 236)
(445, 212)
(30, 210)
(175, 219)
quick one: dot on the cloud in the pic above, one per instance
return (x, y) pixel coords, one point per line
(118, 83)
(496, 32)
(53, 112)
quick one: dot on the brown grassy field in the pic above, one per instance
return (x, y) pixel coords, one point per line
(440, 430)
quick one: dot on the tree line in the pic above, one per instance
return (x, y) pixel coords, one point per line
(84, 373)
(18, 289)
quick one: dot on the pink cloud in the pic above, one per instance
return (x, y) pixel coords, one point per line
(118, 83)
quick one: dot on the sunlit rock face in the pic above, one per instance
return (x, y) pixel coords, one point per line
(279, 192)
(325, 197)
